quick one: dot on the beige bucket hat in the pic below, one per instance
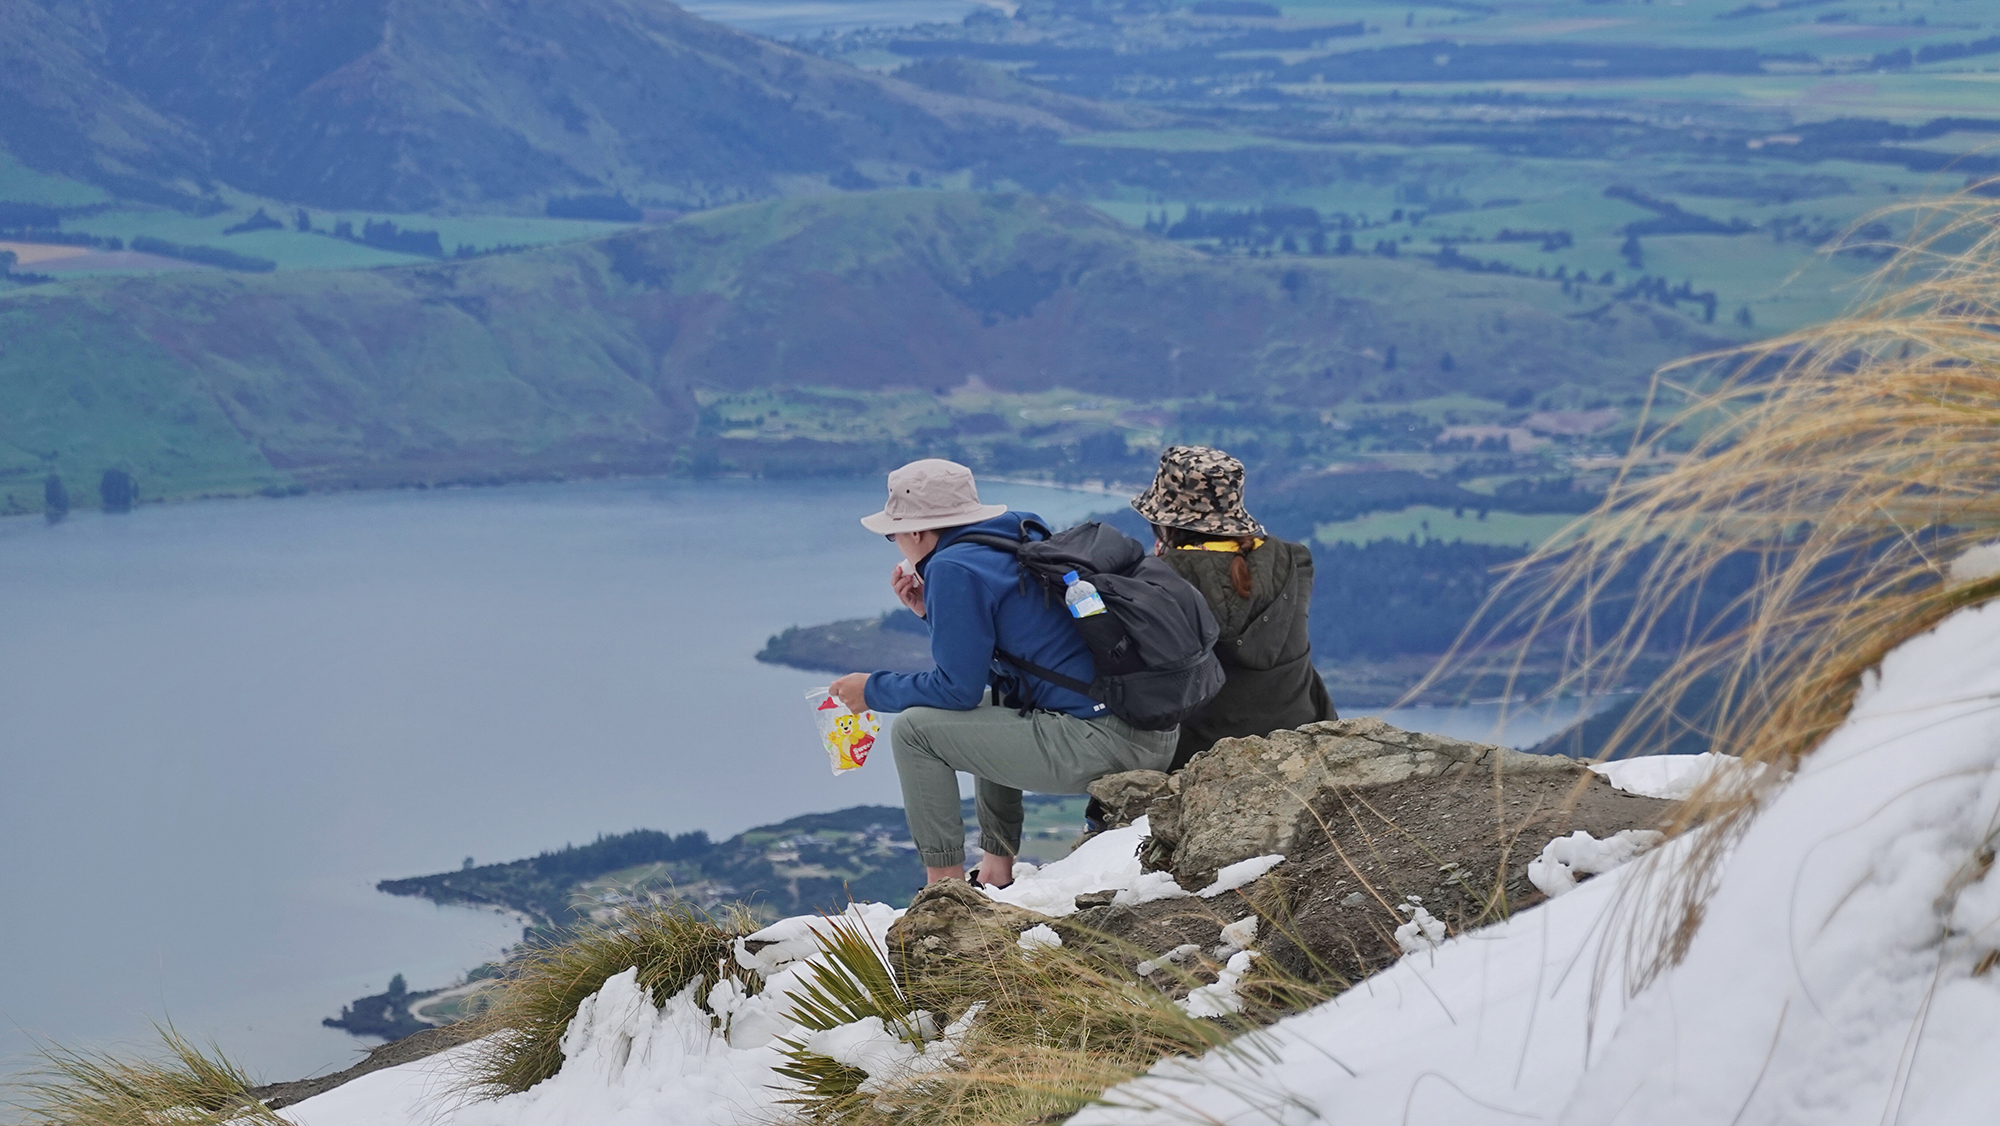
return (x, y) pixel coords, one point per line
(932, 493)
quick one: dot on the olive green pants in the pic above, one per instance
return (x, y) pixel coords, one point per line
(1047, 752)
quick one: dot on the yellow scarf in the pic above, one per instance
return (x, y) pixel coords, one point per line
(1222, 545)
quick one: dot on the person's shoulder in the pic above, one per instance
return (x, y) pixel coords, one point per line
(1291, 548)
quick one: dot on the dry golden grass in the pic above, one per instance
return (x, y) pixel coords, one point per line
(525, 1013)
(187, 1085)
(1855, 461)
(1056, 1028)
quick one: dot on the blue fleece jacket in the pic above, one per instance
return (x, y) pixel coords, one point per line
(975, 602)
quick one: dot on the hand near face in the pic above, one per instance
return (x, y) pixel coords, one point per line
(909, 589)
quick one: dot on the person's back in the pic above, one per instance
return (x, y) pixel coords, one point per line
(1259, 587)
(1264, 646)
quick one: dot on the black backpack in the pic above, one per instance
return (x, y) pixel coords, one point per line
(1154, 648)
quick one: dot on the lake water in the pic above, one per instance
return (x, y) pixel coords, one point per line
(222, 722)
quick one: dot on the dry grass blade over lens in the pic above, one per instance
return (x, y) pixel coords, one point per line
(188, 1085)
(528, 1010)
(1853, 462)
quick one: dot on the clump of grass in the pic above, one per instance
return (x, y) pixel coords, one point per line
(1854, 461)
(1055, 1027)
(850, 981)
(526, 1011)
(188, 1085)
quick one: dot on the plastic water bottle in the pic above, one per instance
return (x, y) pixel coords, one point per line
(1082, 597)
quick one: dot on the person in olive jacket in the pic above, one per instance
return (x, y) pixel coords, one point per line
(1260, 588)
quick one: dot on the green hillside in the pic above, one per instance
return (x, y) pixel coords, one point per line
(596, 357)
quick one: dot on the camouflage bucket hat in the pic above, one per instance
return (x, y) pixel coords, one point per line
(1200, 490)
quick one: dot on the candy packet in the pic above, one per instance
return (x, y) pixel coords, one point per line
(846, 737)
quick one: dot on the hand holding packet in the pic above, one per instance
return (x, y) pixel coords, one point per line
(847, 738)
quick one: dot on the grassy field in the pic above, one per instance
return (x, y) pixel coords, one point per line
(1426, 522)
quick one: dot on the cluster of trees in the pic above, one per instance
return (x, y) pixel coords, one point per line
(206, 255)
(383, 234)
(1902, 58)
(256, 222)
(1656, 290)
(115, 489)
(615, 208)
(1670, 218)
(1393, 597)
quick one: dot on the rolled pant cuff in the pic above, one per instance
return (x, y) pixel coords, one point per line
(955, 859)
(998, 847)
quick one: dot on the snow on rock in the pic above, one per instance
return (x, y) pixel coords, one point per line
(1038, 937)
(1233, 876)
(1108, 861)
(1580, 854)
(1240, 934)
(1674, 777)
(1833, 981)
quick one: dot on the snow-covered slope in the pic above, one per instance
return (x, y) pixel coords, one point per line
(1839, 977)
(1834, 980)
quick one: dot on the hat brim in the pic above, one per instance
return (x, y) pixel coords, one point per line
(883, 524)
(1212, 523)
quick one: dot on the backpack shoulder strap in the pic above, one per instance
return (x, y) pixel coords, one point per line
(1029, 528)
(1040, 673)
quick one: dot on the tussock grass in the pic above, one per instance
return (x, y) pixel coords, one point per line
(1055, 1028)
(1854, 461)
(187, 1085)
(526, 1011)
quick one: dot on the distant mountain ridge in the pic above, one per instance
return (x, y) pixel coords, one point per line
(588, 358)
(414, 105)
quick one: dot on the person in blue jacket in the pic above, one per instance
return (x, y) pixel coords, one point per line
(1009, 730)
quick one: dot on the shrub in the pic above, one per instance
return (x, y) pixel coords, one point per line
(526, 1010)
(191, 1086)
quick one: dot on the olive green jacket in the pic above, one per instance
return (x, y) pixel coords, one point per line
(1264, 648)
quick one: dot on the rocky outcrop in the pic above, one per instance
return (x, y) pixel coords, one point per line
(1253, 796)
(1125, 797)
(951, 925)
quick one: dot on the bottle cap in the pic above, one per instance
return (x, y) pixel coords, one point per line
(1070, 578)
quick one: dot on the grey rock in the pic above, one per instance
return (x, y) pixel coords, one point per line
(1249, 797)
(952, 924)
(1125, 796)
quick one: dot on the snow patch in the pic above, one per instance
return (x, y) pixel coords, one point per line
(1975, 563)
(1041, 936)
(1233, 876)
(1238, 936)
(1220, 999)
(1674, 777)
(1108, 861)
(1423, 932)
(1834, 979)
(1580, 854)
(1171, 958)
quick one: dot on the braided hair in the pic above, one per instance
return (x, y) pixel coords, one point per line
(1239, 567)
